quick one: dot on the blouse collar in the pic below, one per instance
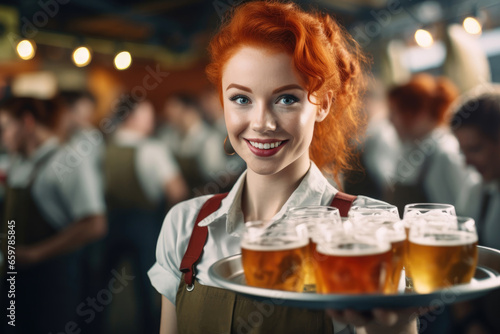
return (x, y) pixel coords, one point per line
(309, 192)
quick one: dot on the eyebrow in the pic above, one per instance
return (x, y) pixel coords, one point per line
(277, 90)
(233, 85)
(287, 87)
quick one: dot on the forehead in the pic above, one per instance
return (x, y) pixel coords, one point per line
(253, 66)
(469, 135)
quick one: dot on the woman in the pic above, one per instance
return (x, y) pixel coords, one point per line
(430, 163)
(289, 84)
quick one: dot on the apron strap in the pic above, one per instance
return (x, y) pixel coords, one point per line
(198, 239)
(343, 202)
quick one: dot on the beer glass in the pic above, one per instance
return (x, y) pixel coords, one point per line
(369, 219)
(383, 222)
(424, 213)
(396, 236)
(351, 265)
(317, 219)
(273, 255)
(441, 255)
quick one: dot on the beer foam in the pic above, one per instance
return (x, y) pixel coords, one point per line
(263, 245)
(354, 248)
(449, 238)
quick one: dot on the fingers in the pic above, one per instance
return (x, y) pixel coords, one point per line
(352, 317)
(385, 317)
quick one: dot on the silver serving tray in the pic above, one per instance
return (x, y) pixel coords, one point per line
(228, 273)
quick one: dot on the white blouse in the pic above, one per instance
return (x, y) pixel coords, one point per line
(224, 226)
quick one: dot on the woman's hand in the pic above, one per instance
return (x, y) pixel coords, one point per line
(379, 320)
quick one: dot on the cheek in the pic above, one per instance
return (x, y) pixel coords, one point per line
(306, 122)
(235, 122)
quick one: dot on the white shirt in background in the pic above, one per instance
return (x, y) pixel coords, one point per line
(446, 173)
(154, 163)
(202, 143)
(68, 187)
(470, 205)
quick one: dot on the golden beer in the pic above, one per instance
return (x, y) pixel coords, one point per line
(279, 266)
(396, 266)
(352, 267)
(309, 268)
(441, 259)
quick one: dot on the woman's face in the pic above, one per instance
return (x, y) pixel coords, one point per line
(269, 120)
(410, 128)
(480, 152)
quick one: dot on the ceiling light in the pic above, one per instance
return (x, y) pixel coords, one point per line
(25, 49)
(472, 26)
(82, 56)
(424, 38)
(123, 60)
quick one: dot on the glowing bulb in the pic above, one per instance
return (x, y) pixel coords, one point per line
(423, 38)
(25, 49)
(81, 56)
(123, 60)
(472, 26)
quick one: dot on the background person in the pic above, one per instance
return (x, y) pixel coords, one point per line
(476, 124)
(54, 218)
(197, 147)
(430, 165)
(141, 181)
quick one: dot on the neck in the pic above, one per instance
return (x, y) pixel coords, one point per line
(265, 195)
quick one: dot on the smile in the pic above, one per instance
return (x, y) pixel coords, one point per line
(265, 146)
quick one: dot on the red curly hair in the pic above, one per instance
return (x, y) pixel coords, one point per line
(424, 93)
(324, 54)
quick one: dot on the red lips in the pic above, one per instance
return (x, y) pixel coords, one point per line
(265, 152)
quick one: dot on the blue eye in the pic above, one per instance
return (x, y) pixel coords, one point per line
(288, 100)
(240, 99)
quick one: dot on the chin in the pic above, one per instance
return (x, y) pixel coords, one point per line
(265, 168)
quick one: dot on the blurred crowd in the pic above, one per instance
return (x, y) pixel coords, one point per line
(100, 195)
(100, 192)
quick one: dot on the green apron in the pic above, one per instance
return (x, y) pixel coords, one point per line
(210, 310)
(134, 225)
(122, 187)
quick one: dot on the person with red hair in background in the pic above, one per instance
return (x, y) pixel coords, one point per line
(289, 82)
(430, 168)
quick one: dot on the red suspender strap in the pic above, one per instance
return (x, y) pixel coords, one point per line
(198, 238)
(343, 202)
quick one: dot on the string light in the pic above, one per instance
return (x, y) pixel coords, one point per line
(123, 60)
(25, 49)
(472, 26)
(82, 56)
(424, 38)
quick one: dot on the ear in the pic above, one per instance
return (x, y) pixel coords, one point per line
(324, 107)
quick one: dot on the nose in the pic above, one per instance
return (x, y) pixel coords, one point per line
(263, 119)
